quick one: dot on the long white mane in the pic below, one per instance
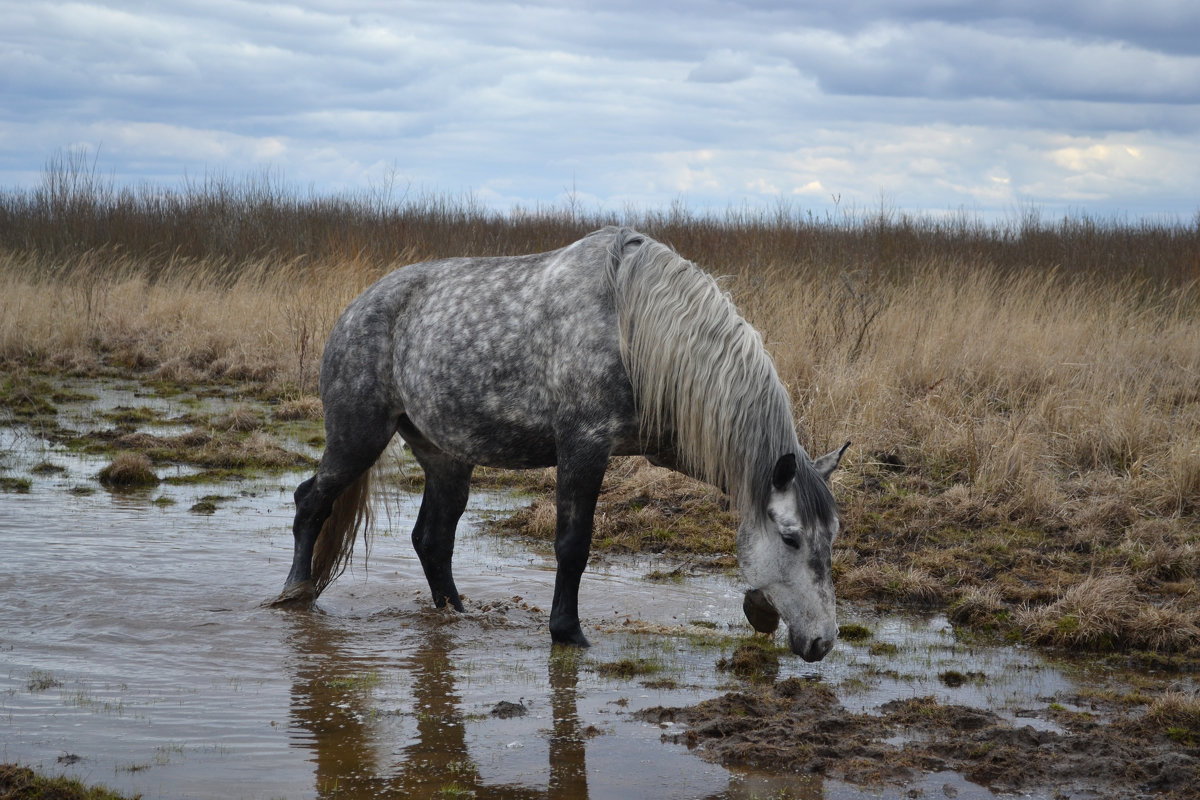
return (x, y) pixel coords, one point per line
(704, 386)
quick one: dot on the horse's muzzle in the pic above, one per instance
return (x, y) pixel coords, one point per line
(810, 649)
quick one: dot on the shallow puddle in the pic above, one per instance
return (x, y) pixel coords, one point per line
(135, 651)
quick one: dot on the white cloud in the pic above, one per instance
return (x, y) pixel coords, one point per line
(722, 66)
(935, 104)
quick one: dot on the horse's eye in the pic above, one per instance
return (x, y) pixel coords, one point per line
(791, 540)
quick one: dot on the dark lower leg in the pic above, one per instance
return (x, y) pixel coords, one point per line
(355, 441)
(314, 504)
(579, 478)
(305, 529)
(447, 486)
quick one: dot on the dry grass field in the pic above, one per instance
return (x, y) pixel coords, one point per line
(1023, 397)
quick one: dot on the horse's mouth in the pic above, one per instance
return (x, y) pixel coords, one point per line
(759, 612)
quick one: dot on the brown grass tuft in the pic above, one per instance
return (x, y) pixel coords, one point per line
(979, 608)
(241, 418)
(129, 470)
(302, 408)
(1176, 709)
(911, 585)
(1107, 612)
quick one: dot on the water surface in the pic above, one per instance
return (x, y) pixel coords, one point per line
(135, 651)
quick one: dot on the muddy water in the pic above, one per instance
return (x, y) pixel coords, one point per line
(135, 652)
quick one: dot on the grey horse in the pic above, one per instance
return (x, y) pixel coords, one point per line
(613, 345)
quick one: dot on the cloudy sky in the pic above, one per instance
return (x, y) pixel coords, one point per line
(1088, 106)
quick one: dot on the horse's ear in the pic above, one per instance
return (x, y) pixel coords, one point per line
(785, 470)
(826, 464)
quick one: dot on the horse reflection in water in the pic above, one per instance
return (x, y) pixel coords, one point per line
(363, 747)
(350, 737)
(614, 345)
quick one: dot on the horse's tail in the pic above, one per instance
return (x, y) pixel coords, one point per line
(335, 544)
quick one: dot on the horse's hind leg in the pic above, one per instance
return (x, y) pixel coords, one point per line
(354, 441)
(447, 486)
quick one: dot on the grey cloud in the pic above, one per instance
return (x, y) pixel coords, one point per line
(636, 102)
(935, 60)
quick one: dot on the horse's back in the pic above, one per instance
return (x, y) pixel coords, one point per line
(493, 360)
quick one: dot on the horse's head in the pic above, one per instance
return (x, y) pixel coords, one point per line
(785, 552)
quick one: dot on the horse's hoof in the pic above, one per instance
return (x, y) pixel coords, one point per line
(453, 601)
(573, 638)
(299, 596)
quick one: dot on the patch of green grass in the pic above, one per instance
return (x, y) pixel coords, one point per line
(659, 576)
(134, 767)
(208, 503)
(854, 685)
(220, 454)
(883, 649)
(162, 388)
(47, 468)
(1184, 736)
(15, 485)
(854, 632)
(205, 505)
(26, 399)
(130, 416)
(163, 753)
(756, 659)
(565, 658)
(218, 475)
(22, 783)
(63, 396)
(627, 668)
(81, 699)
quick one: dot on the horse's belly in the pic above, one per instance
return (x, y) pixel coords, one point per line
(508, 440)
(501, 444)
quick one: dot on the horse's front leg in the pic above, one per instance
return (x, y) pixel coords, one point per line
(580, 473)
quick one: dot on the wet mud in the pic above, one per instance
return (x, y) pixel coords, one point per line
(135, 651)
(799, 725)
